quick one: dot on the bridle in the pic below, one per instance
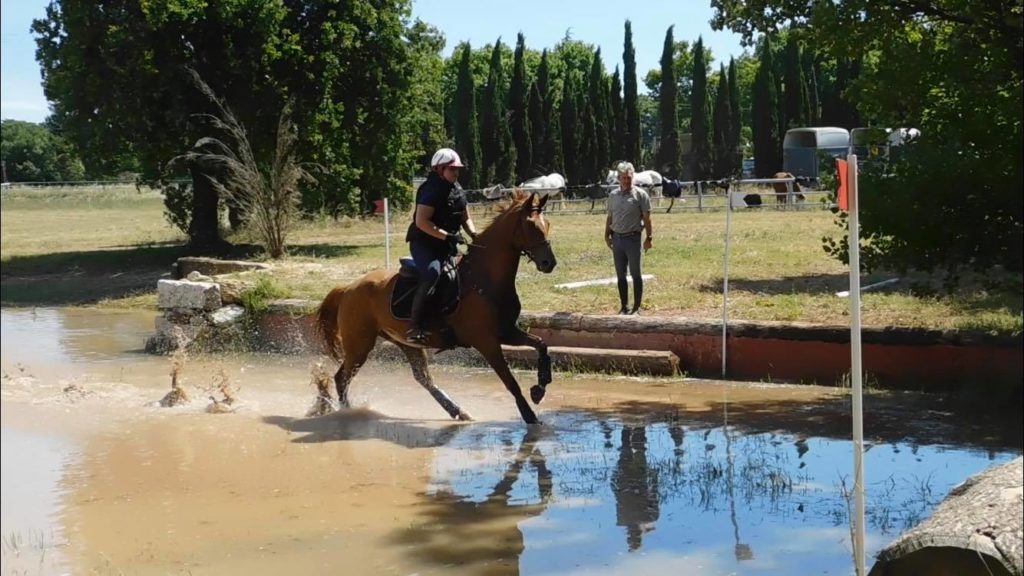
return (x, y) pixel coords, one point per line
(543, 243)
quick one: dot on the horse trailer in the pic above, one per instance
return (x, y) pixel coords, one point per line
(803, 149)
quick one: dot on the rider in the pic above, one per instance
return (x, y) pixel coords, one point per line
(441, 210)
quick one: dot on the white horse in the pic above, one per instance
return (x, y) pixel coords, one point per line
(649, 180)
(552, 186)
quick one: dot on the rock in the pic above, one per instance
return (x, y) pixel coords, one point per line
(227, 315)
(213, 267)
(191, 295)
(231, 290)
(195, 276)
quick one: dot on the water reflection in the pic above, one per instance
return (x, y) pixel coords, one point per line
(590, 488)
(635, 486)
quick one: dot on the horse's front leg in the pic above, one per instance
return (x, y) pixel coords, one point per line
(519, 338)
(491, 351)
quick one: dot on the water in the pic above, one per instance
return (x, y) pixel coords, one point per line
(627, 475)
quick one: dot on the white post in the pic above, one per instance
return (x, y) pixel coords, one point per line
(387, 236)
(725, 275)
(856, 367)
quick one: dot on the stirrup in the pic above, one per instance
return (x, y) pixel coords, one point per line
(417, 335)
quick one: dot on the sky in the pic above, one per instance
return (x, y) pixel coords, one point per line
(543, 23)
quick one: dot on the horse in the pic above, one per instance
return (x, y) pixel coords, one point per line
(649, 180)
(672, 189)
(782, 191)
(593, 192)
(553, 186)
(351, 317)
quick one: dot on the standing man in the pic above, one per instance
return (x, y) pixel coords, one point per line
(433, 236)
(629, 214)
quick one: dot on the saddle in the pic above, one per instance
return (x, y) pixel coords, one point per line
(444, 296)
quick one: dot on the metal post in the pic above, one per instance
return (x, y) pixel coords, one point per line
(387, 236)
(725, 278)
(856, 369)
(700, 197)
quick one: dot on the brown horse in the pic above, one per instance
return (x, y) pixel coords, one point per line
(782, 191)
(351, 317)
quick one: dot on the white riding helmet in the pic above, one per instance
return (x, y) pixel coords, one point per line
(446, 157)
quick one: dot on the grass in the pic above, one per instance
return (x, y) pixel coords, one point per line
(109, 246)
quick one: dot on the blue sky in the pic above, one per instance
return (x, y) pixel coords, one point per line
(543, 22)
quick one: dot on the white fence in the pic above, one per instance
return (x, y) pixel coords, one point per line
(702, 196)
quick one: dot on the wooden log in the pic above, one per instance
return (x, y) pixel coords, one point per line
(654, 363)
(977, 529)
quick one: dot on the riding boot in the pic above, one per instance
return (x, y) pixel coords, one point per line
(638, 294)
(418, 331)
(623, 296)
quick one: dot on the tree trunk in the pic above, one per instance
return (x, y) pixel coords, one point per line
(203, 231)
(976, 530)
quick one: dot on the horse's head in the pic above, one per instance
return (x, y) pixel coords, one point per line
(531, 237)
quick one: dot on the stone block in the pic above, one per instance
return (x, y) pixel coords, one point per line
(212, 267)
(227, 315)
(192, 295)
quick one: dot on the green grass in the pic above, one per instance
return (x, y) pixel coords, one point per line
(110, 246)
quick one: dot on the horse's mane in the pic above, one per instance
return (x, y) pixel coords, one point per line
(517, 198)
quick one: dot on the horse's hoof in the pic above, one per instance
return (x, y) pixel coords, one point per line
(537, 393)
(463, 417)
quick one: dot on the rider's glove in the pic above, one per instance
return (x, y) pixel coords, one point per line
(454, 239)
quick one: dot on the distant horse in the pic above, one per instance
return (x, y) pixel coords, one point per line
(552, 186)
(649, 180)
(782, 192)
(351, 317)
(593, 192)
(672, 189)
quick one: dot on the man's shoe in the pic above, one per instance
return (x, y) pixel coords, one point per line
(634, 312)
(623, 312)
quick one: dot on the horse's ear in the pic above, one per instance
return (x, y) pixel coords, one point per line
(543, 201)
(531, 203)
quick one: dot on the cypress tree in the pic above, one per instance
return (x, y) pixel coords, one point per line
(765, 108)
(518, 97)
(617, 138)
(570, 130)
(811, 80)
(495, 136)
(668, 158)
(589, 163)
(547, 144)
(735, 122)
(632, 107)
(723, 153)
(598, 96)
(467, 141)
(795, 92)
(535, 111)
(699, 115)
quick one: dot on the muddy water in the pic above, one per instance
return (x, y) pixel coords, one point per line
(626, 475)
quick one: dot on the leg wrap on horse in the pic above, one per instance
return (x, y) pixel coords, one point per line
(543, 375)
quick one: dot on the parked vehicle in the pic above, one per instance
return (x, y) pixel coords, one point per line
(872, 145)
(803, 149)
(748, 168)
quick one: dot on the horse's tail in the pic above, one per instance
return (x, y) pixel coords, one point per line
(327, 321)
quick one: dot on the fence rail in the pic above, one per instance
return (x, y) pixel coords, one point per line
(571, 201)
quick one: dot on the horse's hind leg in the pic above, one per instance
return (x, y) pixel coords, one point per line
(421, 372)
(355, 357)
